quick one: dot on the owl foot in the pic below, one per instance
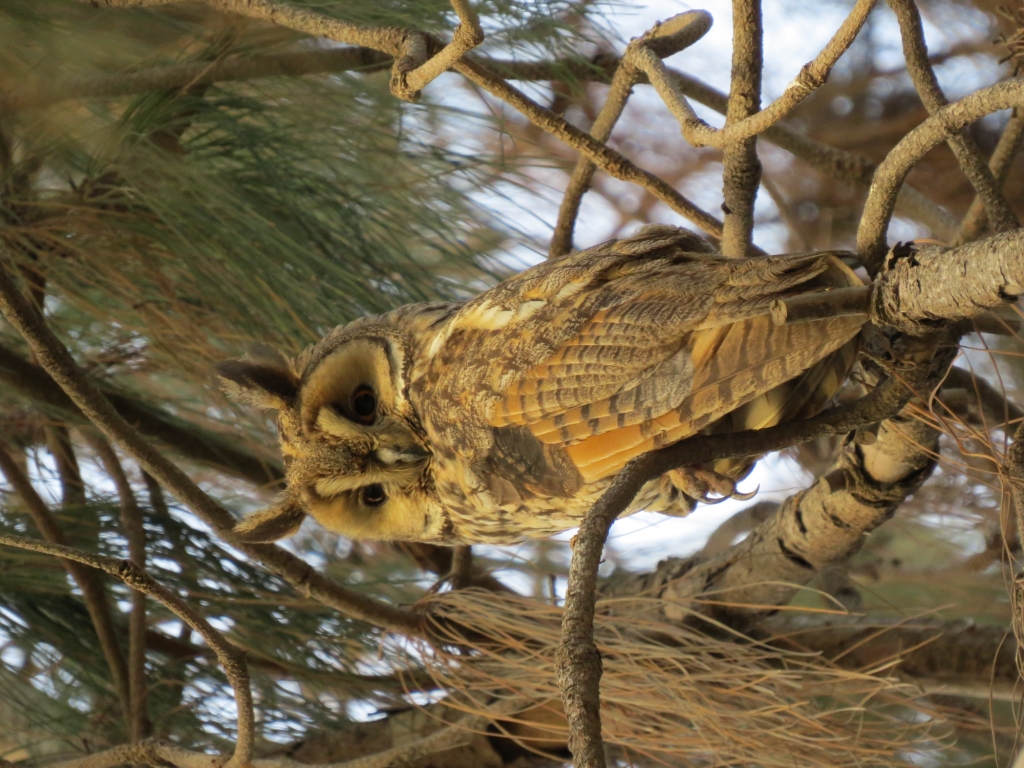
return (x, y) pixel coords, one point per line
(707, 486)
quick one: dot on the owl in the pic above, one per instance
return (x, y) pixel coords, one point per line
(506, 416)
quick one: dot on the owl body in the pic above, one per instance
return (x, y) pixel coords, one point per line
(506, 417)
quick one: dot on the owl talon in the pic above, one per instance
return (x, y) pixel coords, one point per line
(707, 486)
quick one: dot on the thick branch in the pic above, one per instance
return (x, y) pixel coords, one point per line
(966, 150)
(931, 284)
(61, 366)
(890, 174)
(231, 658)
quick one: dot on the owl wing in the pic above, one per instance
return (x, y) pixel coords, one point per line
(566, 373)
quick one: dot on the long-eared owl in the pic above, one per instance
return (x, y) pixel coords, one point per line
(506, 416)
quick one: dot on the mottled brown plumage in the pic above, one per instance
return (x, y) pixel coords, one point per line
(506, 416)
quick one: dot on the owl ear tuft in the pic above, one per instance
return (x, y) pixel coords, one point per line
(277, 522)
(265, 382)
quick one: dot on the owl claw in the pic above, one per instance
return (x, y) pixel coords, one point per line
(707, 486)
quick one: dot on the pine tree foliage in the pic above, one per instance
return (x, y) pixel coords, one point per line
(161, 228)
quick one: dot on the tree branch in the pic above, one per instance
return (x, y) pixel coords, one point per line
(976, 220)
(966, 150)
(160, 754)
(995, 410)
(673, 86)
(578, 660)
(608, 160)
(834, 163)
(135, 533)
(892, 171)
(412, 71)
(61, 366)
(93, 593)
(933, 284)
(741, 169)
(787, 544)
(681, 31)
(946, 653)
(231, 659)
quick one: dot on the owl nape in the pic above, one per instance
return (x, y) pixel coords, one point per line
(506, 417)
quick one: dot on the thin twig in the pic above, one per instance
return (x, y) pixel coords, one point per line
(36, 94)
(785, 211)
(1013, 466)
(132, 523)
(54, 357)
(605, 158)
(741, 168)
(995, 409)
(890, 174)
(684, 30)
(231, 658)
(72, 488)
(975, 221)
(964, 147)
(93, 593)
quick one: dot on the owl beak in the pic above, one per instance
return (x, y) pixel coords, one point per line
(392, 456)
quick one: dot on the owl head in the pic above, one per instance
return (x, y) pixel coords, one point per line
(355, 454)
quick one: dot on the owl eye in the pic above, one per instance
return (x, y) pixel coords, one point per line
(374, 495)
(364, 405)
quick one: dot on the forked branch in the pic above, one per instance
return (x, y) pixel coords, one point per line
(668, 37)
(964, 147)
(413, 70)
(812, 76)
(892, 171)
